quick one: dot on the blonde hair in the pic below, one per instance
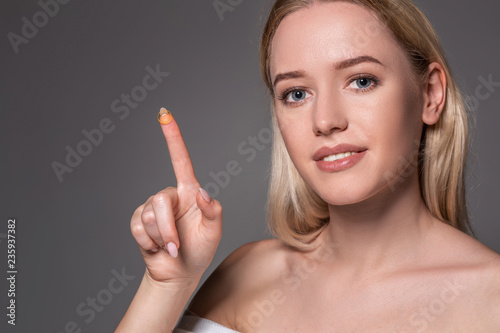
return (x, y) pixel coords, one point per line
(296, 214)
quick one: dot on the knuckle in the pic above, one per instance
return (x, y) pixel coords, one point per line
(217, 208)
(137, 229)
(148, 217)
(160, 198)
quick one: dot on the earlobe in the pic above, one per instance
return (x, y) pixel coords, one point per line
(434, 94)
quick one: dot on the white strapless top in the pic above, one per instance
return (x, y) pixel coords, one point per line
(191, 323)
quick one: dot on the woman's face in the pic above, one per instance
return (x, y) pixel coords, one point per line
(344, 85)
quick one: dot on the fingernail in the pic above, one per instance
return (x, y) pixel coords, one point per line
(164, 116)
(155, 249)
(205, 195)
(172, 249)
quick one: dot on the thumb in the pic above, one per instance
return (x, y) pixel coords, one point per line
(210, 208)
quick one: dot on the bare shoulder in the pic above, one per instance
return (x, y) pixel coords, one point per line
(477, 268)
(456, 246)
(487, 282)
(249, 269)
(456, 249)
(485, 297)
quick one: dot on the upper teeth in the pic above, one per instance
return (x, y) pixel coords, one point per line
(332, 158)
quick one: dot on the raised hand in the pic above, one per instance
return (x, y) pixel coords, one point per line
(179, 228)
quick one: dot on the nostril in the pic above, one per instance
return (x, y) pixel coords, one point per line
(326, 128)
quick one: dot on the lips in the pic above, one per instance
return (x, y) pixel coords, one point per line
(323, 152)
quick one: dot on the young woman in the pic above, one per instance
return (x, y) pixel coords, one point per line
(366, 197)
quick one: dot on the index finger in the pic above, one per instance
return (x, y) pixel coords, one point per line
(183, 168)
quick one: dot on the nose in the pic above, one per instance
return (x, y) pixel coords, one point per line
(328, 115)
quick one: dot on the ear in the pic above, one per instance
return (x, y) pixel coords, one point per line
(434, 94)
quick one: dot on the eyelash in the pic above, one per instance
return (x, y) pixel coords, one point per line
(374, 83)
(373, 79)
(284, 95)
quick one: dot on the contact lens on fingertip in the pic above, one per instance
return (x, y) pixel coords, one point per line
(164, 116)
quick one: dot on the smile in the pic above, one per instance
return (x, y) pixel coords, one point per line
(337, 163)
(335, 157)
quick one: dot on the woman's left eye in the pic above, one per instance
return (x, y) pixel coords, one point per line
(363, 83)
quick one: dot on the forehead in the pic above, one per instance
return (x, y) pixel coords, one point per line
(331, 31)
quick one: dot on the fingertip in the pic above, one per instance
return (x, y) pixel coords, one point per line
(205, 195)
(164, 116)
(172, 249)
(212, 210)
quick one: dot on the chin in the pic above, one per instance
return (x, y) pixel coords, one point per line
(341, 196)
(336, 201)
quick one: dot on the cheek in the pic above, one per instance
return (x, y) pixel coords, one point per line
(291, 133)
(394, 119)
(410, 119)
(296, 132)
(395, 129)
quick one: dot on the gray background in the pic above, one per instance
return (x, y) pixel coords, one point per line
(72, 234)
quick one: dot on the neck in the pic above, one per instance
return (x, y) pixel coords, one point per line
(378, 233)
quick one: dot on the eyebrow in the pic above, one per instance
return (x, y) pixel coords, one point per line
(354, 61)
(338, 66)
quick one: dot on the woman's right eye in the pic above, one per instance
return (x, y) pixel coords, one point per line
(293, 96)
(298, 95)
